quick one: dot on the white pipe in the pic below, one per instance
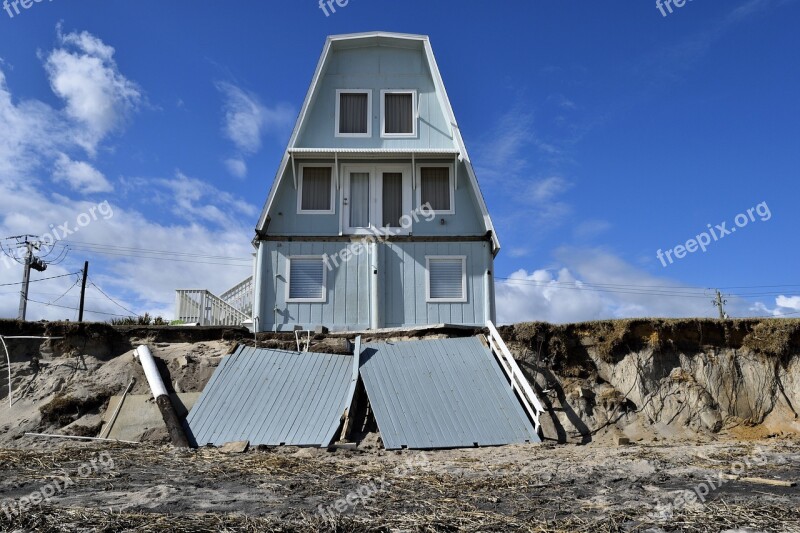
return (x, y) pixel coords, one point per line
(164, 402)
(151, 371)
(77, 438)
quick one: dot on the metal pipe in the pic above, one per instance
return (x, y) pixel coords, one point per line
(164, 402)
(78, 438)
(117, 410)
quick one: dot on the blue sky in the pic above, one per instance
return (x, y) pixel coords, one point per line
(602, 132)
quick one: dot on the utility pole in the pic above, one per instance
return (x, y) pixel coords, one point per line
(31, 262)
(83, 289)
(720, 303)
(26, 279)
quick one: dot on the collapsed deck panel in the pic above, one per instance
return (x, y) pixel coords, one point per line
(273, 397)
(448, 393)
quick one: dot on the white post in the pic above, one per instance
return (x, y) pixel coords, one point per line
(203, 314)
(375, 319)
(487, 297)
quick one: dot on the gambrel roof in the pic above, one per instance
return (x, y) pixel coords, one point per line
(370, 39)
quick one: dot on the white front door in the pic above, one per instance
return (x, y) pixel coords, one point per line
(376, 198)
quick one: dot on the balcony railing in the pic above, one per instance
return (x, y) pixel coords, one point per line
(199, 306)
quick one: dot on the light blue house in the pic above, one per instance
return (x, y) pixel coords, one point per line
(375, 218)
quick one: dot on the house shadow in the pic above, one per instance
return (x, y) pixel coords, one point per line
(546, 397)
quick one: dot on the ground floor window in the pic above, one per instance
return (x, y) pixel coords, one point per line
(446, 279)
(306, 280)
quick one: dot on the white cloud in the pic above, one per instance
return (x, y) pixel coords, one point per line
(247, 119)
(80, 176)
(195, 200)
(792, 302)
(237, 167)
(544, 190)
(31, 131)
(593, 284)
(519, 251)
(591, 228)
(191, 216)
(140, 281)
(97, 96)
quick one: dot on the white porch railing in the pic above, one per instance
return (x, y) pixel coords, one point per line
(240, 296)
(198, 306)
(520, 384)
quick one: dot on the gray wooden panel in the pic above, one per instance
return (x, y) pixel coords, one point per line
(448, 393)
(272, 397)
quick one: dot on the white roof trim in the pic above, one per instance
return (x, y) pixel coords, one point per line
(444, 102)
(372, 151)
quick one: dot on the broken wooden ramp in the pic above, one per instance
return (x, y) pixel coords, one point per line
(448, 393)
(274, 398)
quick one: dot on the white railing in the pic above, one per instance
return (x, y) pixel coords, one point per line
(518, 381)
(240, 296)
(198, 306)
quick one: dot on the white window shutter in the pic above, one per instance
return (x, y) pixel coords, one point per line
(446, 278)
(306, 279)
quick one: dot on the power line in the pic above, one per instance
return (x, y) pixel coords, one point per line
(159, 255)
(67, 291)
(112, 300)
(576, 286)
(662, 290)
(37, 280)
(75, 308)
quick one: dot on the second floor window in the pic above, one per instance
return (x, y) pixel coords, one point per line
(399, 113)
(316, 190)
(436, 189)
(353, 113)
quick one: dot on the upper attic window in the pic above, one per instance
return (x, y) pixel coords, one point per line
(398, 113)
(353, 113)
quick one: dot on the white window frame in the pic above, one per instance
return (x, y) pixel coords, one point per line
(324, 297)
(368, 92)
(300, 210)
(420, 166)
(428, 298)
(376, 197)
(414, 111)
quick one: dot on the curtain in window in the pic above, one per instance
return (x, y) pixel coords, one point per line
(399, 113)
(446, 279)
(316, 189)
(353, 112)
(359, 200)
(436, 187)
(392, 199)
